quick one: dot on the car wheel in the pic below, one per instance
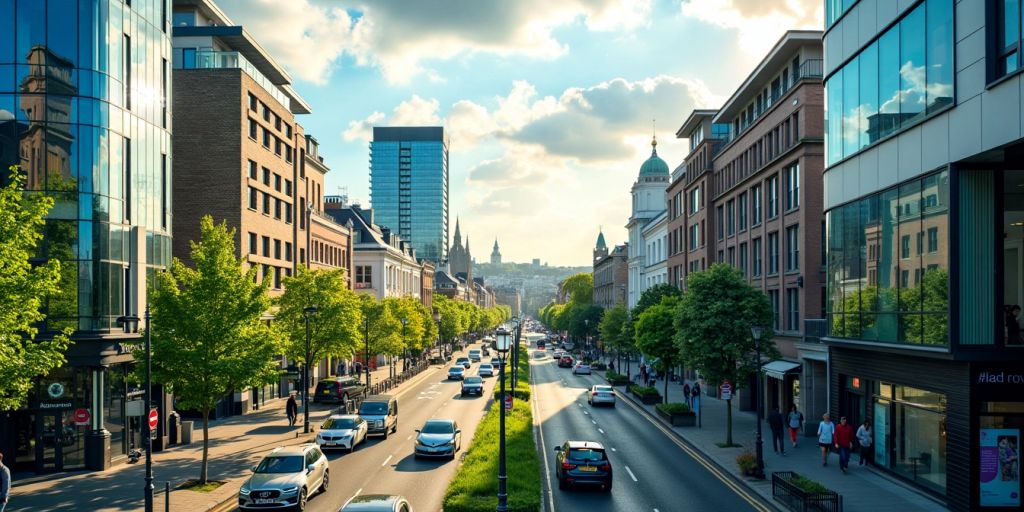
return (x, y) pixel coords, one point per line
(562, 485)
(386, 433)
(394, 429)
(326, 482)
(301, 505)
(608, 486)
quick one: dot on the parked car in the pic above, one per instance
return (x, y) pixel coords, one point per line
(285, 478)
(456, 372)
(601, 394)
(565, 361)
(496, 362)
(472, 385)
(438, 438)
(338, 390)
(343, 431)
(582, 463)
(381, 414)
(474, 355)
(486, 370)
(464, 361)
(377, 503)
(581, 368)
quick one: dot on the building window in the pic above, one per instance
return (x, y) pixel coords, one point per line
(755, 205)
(902, 77)
(277, 209)
(252, 243)
(1008, 40)
(252, 170)
(254, 104)
(266, 176)
(720, 222)
(792, 248)
(277, 182)
(252, 198)
(742, 211)
(730, 221)
(266, 113)
(288, 213)
(266, 138)
(834, 9)
(277, 278)
(773, 253)
(694, 200)
(252, 129)
(277, 122)
(756, 253)
(288, 188)
(792, 174)
(266, 203)
(773, 297)
(905, 247)
(792, 309)
(743, 259)
(933, 240)
(266, 246)
(364, 276)
(773, 197)
(694, 236)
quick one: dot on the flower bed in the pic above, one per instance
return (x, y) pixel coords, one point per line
(616, 379)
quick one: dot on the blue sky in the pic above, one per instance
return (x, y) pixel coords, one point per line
(548, 104)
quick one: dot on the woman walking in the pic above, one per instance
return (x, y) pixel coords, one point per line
(864, 439)
(292, 409)
(826, 437)
(795, 421)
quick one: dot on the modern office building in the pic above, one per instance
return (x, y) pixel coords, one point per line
(84, 111)
(409, 186)
(648, 194)
(925, 250)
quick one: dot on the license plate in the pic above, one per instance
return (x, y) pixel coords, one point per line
(330, 444)
(327, 391)
(263, 501)
(588, 469)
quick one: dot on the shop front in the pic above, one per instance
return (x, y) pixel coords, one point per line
(998, 415)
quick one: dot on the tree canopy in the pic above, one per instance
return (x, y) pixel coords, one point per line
(335, 328)
(654, 334)
(652, 296)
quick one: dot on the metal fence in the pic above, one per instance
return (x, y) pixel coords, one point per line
(392, 382)
(796, 499)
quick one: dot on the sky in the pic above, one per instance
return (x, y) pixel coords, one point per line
(549, 105)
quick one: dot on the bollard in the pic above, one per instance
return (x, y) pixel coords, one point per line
(167, 497)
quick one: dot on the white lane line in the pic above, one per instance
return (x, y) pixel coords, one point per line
(389, 458)
(594, 422)
(631, 475)
(408, 438)
(656, 510)
(585, 412)
(601, 431)
(613, 449)
(352, 498)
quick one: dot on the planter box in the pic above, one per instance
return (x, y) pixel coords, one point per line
(795, 498)
(649, 399)
(679, 419)
(620, 381)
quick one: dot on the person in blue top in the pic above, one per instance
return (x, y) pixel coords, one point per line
(826, 437)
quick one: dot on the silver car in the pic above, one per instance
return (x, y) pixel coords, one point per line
(342, 431)
(285, 478)
(601, 394)
(438, 438)
(377, 503)
(485, 370)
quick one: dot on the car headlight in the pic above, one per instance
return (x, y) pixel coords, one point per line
(451, 442)
(419, 443)
(290, 490)
(244, 491)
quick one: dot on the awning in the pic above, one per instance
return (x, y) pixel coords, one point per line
(779, 368)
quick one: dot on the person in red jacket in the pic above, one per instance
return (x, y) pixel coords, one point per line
(844, 442)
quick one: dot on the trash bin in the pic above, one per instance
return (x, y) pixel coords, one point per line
(174, 428)
(186, 432)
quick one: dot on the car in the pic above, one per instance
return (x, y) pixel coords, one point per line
(556, 355)
(565, 361)
(568, 345)
(486, 370)
(285, 478)
(343, 431)
(472, 385)
(496, 362)
(438, 438)
(601, 394)
(474, 355)
(540, 345)
(581, 368)
(377, 503)
(338, 390)
(464, 361)
(582, 463)
(381, 415)
(456, 372)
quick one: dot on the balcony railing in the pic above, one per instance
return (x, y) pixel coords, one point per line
(815, 329)
(210, 59)
(810, 68)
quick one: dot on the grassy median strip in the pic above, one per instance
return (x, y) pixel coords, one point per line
(475, 486)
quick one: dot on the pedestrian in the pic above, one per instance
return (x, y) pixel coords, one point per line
(864, 439)
(776, 423)
(796, 423)
(686, 394)
(5, 483)
(695, 392)
(826, 437)
(292, 409)
(844, 443)
(1012, 326)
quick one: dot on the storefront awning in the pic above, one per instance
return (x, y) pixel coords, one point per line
(779, 368)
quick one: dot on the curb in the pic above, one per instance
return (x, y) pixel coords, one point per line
(770, 504)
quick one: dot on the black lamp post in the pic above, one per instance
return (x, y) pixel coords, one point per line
(131, 324)
(405, 322)
(366, 351)
(437, 320)
(307, 312)
(756, 331)
(502, 340)
(515, 351)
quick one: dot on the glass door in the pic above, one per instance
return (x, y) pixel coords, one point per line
(72, 442)
(883, 434)
(49, 441)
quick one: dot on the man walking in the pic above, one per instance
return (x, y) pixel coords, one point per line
(291, 409)
(5, 483)
(844, 443)
(686, 394)
(776, 423)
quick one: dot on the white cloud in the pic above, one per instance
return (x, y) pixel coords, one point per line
(414, 111)
(757, 22)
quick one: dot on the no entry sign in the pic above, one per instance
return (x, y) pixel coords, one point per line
(508, 402)
(81, 416)
(153, 418)
(726, 391)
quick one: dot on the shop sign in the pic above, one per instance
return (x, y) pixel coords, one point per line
(55, 405)
(1001, 377)
(725, 393)
(1000, 467)
(55, 390)
(81, 416)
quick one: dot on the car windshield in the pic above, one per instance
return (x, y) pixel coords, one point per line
(291, 464)
(456, 369)
(462, 359)
(472, 380)
(338, 424)
(485, 367)
(373, 408)
(437, 427)
(603, 388)
(586, 454)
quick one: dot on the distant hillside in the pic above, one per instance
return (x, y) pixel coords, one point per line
(525, 269)
(538, 284)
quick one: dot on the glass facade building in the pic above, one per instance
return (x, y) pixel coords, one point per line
(409, 186)
(84, 88)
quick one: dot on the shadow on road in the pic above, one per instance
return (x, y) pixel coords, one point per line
(410, 464)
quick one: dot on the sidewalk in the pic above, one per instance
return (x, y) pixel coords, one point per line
(236, 444)
(863, 488)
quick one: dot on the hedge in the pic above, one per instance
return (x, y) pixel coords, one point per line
(475, 486)
(643, 390)
(673, 408)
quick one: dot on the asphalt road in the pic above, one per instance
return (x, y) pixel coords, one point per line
(651, 471)
(381, 466)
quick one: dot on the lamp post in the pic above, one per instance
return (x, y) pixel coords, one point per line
(307, 312)
(131, 324)
(756, 331)
(502, 340)
(515, 352)
(437, 320)
(366, 351)
(586, 336)
(405, 322)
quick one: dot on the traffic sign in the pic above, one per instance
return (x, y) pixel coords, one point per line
(508, 402)
(153, 417)
(81, 416)
(726, 390)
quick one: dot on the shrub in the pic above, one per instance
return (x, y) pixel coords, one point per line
(807, 485)
(747, 462)
(643, 390)
(673, 408)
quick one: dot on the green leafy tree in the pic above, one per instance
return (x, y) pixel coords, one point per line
(653, 296)
(208, 339)
(333, 330)
(713, 327)
(654, 334)
(382, 329)
(610, 328)
(579, 288)
(23, 287)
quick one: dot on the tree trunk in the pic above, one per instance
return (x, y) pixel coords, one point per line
(665, 400)
(728, 422)
(206, 447)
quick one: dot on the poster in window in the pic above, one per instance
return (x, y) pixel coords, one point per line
(1000, 467)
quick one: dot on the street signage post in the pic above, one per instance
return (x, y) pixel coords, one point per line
(726, 391)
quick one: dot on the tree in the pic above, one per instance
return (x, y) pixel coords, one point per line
(333, 330)
(382, 329)
(208, 338)
(627, 341)
(579, 288)
(610, 328)
(654, 334)
(653, 296)
(23, 288)
(713, 327)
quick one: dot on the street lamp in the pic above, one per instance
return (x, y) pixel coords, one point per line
(756, 331)
(405, 322)
(515, 353)
(131, 324)
(437, 320)
(502, 340)
(586, 334)
(366, 352)
(307, 312)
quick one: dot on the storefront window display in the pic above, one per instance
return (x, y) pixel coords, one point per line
(999, 438)
(910, 432)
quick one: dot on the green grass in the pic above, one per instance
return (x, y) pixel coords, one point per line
(194, 485)
(475, 486)
(807, 485)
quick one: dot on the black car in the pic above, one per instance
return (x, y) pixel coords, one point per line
(339, 390)
(582, 463)
(472, 386)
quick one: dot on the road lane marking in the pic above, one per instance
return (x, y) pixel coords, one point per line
(594, 422)
(352, 498)
(585, 412)
(613, 449)
(631, 475)
(601, 431)
(408, 438)
(386, 461)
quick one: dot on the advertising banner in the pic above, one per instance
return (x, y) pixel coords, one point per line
(1000, 467)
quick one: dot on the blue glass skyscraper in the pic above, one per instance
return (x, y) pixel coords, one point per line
(409, 186)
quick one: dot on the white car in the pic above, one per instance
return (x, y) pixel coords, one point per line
(486, 370)
(474, 355)
(581, 368)
(456, 372)
(342, 431)
(601, 394)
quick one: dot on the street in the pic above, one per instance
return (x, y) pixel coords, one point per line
(651, 471)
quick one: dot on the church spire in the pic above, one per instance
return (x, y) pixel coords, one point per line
(458, 234)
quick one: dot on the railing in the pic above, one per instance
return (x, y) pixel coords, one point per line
(210, 59)
(799, 500)
(392, 382)
(811, 68)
